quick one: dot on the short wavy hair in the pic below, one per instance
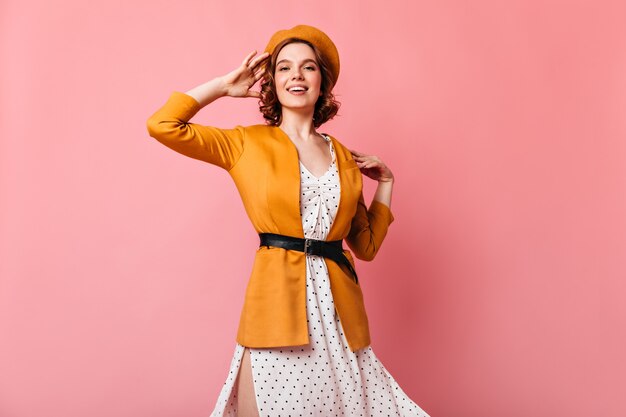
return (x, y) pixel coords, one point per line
(326, 106)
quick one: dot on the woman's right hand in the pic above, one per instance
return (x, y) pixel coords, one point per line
(239, 82)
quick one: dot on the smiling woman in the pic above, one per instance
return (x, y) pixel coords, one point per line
(303, 343)
(317, 77)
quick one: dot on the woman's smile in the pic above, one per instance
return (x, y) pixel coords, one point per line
(297, 90)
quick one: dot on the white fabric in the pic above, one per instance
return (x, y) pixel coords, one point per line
(324, 378)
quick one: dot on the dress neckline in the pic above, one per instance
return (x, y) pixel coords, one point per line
(332, 159)
(328, 140)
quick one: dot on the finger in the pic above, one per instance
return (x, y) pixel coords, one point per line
(259, 74)
(363, 158)
(252, 93)
(259, 59)
(370, 164)
(263, 56)
(255, 64)
(248, 58)
(371, 158)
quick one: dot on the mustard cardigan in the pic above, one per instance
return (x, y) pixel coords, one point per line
(263, 162)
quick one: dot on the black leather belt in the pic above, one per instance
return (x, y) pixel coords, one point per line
(332, 249)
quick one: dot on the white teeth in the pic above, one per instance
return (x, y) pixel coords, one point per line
(297, 89)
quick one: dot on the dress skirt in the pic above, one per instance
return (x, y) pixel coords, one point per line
(324, 378)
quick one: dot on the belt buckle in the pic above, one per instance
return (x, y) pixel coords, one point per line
(307, 246)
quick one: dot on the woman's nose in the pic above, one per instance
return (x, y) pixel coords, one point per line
(297, 74)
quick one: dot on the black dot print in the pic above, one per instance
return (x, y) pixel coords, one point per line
(324, 378)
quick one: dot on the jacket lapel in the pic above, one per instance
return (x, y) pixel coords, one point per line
(285, 186)
(350, 181)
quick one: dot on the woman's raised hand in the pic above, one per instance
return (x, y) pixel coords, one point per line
(239, 82)
(372, 166)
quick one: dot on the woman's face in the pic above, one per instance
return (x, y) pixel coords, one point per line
(298, 77)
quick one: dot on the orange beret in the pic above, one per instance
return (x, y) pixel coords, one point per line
(313, 35)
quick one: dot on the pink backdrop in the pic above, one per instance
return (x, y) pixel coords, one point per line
(499, 291)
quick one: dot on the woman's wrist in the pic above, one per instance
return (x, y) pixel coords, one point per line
(221, 86)
(383, 192)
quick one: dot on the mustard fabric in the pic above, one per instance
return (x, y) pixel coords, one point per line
(263, 162)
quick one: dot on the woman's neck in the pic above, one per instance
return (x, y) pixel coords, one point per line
(298, 125)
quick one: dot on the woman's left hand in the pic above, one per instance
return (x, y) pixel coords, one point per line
(372, 166)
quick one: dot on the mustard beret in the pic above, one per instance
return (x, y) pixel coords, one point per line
(313, 35)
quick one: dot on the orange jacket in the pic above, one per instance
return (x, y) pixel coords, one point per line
(263, 162)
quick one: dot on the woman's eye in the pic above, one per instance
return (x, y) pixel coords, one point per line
(282, 68)
(310, 67)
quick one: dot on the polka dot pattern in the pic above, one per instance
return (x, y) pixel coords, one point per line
(324, 378)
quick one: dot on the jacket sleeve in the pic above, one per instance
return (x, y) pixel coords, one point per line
(368, 229)
(170, 126)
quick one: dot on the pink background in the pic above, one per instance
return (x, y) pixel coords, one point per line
(499, 291)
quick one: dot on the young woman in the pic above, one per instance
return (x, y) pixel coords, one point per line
(303, 343)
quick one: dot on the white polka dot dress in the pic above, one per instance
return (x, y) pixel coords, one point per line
(324, 378)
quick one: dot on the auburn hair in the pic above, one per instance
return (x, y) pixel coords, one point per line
(326, 106)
